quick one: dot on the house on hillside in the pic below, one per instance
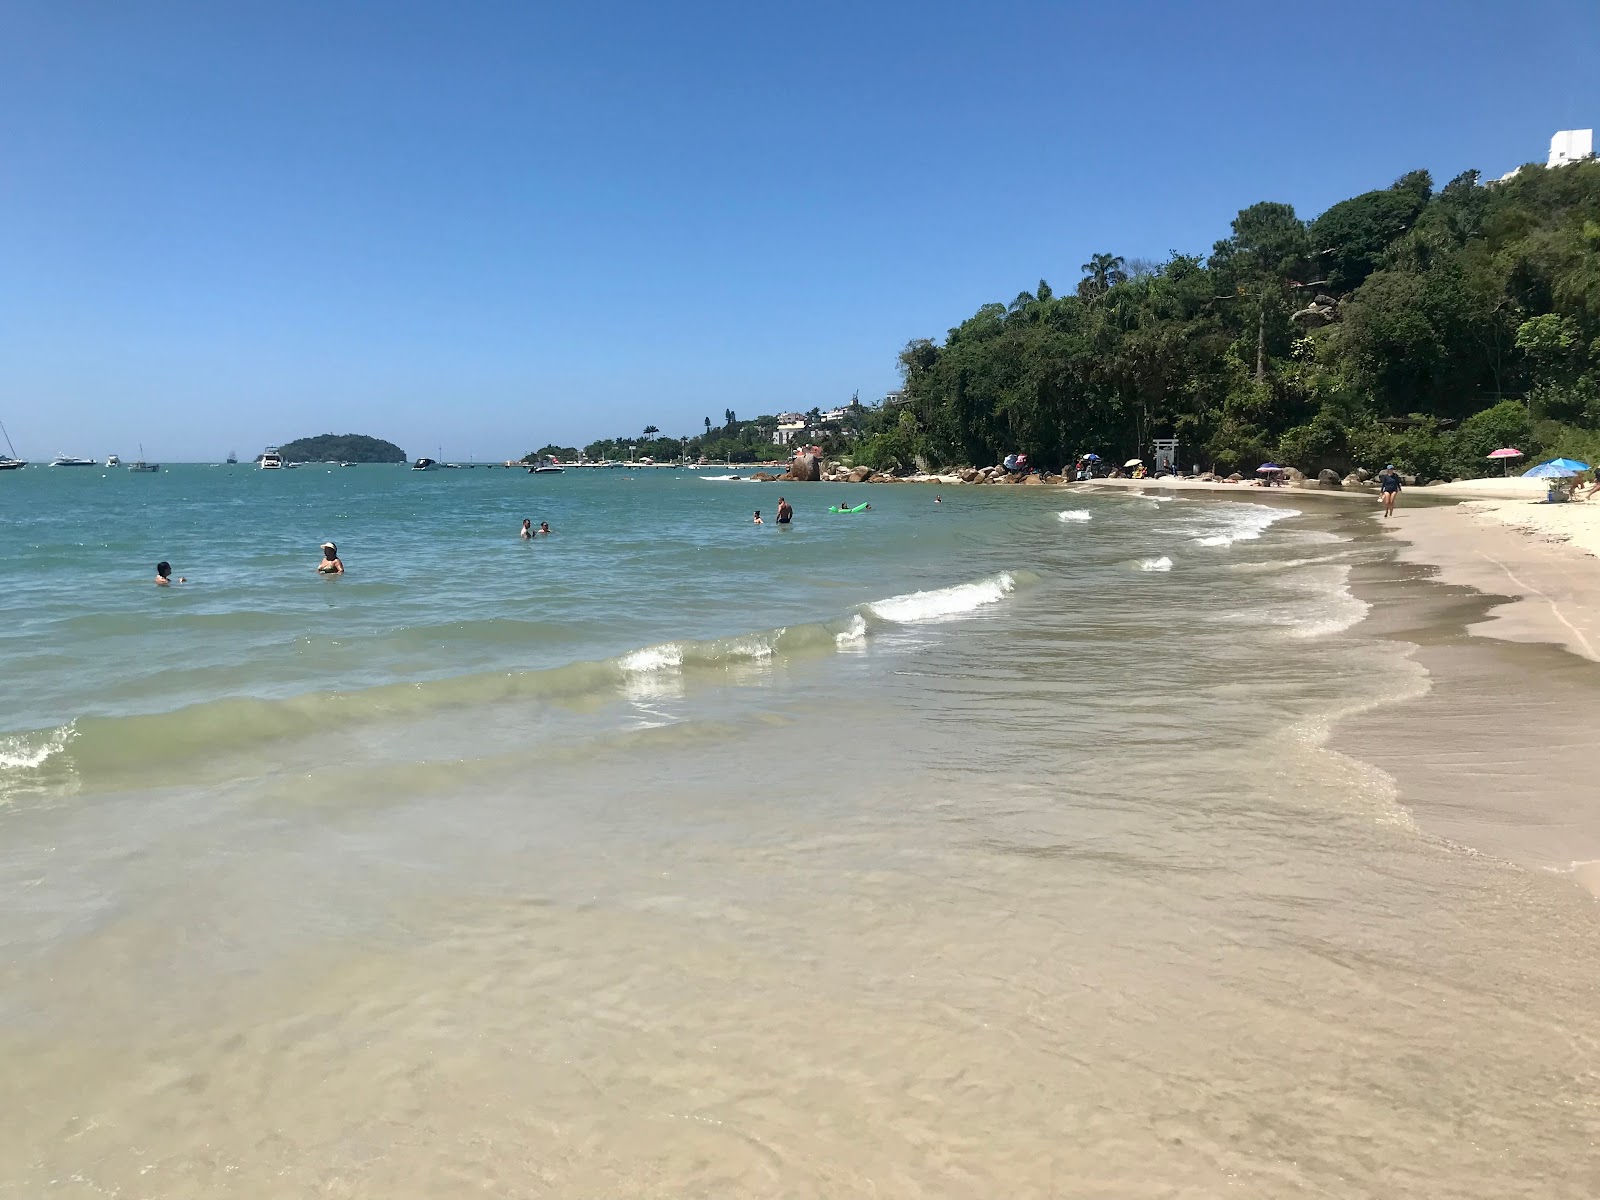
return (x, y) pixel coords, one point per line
(790, 426)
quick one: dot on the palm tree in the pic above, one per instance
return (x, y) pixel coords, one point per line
(650, 431)
(708, 426)
(1103, 272)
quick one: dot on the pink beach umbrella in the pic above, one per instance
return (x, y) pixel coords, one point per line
(1507, 453)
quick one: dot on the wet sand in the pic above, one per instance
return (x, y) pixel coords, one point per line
(1498, 756)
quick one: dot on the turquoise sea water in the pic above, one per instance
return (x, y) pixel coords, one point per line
(970, 848)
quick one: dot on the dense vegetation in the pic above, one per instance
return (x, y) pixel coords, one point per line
(1409, 325)
(732, 440)
(342, 447)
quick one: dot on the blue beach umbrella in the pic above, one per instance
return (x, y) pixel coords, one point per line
(1556, 468)
(1091, 458)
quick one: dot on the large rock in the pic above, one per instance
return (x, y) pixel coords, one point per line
(970, 475)
(880, 477)
(860, 474)
(1329, 478)
(1294, 474)
(804, 468)
(1352, 480)
(1362, 474)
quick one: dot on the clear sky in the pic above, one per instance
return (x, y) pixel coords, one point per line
(485, 226)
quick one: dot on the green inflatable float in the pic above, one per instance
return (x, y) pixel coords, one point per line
(834, 508)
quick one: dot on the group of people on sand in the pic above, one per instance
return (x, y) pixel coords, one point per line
(529, 532)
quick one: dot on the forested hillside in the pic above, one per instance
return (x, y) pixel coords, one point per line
(342, 447)
(1409, 325)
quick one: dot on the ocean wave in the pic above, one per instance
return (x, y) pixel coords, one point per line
(1240, 522)
(30, 751)
(1156, 564)
(944, 603)
(152, 747)
(1074, 514)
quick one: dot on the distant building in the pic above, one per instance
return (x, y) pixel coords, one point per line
(895, 397)
(1566, 146)
(787, 431)
(835, 414)
(1569, 146)
(790, 418)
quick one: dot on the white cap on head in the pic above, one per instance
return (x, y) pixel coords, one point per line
(329, 546)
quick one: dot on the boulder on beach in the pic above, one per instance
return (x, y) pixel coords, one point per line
(804, 468)
(1329, 478)
(860, 474)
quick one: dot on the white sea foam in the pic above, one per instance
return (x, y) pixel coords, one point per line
(1156, 564)
(1240, 523)
(1074, 514)
(853, 634)
(29, 752)
(666, 657)
(943, 603)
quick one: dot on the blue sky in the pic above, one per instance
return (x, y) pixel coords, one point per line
(491, 225)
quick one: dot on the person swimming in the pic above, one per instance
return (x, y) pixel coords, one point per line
(330, 564)
(785, 511)
(164, 574)
(527, 529)
(544, 528)
(938, 499)
(757, 519)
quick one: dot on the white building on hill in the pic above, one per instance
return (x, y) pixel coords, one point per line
(1569, 146)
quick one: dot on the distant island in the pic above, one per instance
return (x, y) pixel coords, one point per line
(342, 447)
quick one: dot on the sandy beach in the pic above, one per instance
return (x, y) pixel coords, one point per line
(1499, 594)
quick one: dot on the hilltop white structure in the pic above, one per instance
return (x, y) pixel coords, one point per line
(1570, 146)
(1566, 146)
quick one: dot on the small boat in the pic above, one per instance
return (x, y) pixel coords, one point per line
(271, 460)
(424, 464)
(549, 469)
(141, 465)
(113, 461)
(233, 458)
(63, 460)
(13, 463)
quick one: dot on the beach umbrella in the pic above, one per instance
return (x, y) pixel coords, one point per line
(1134, 462)
(1091, 458)
(1556, 468)
(1266, 468)
(1507, 453)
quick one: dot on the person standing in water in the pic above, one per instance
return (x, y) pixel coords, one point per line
(785, 511)
(544, 528)
(330, 564)
(757, 519)
(164, 574)
(1389, 488)
(527, 529)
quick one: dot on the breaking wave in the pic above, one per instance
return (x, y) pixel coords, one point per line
(155, 746)
(1156, 564)
(1242, 523)
(1074, 514)
(944, 603)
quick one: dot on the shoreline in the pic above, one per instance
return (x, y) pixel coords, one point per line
(1496, 756)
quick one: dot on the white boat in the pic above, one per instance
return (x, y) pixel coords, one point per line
(13, 463)
(272, 460)
(549, 468)
(424, 464)
(63, 460)
(113, 461)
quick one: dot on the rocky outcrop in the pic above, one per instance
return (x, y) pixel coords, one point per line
(1329, 479)
(803, 468)
(860, 474)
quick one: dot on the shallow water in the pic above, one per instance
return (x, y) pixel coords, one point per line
(938, 850)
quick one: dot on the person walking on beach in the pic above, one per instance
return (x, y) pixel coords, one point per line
(785, 511)
(527, 530)
(1389, 488)
(330, 564)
